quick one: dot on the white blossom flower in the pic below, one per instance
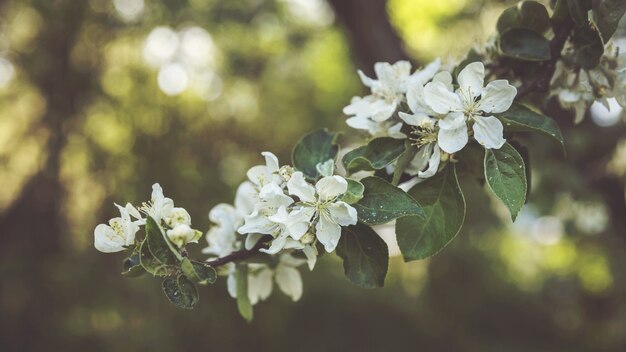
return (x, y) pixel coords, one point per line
(159, 207)
(178, 216)
(118, 234)
(222, 238)
(424, 134)
(262, 175)
(470, 103)
(261, 278)
(182, 234)
(373, 112)
(319, 205)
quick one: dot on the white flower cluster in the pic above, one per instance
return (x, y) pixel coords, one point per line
(578, 89)
(439, 118)
(120, 233)
(279, 204)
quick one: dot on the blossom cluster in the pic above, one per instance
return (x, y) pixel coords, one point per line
(425, 107)
(578, 88)
(279, 205)
(120, 232)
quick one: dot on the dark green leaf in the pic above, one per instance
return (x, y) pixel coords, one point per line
(180, 291)
(505, 173)
(519, 118)
(132, 265)
(535, 16)
(607, 14)
(365, 256)
(243, 301)
(160, 247)
(312, 149)
(589, 46)
(383, 202)
(153, 265)
(441, 197)
(578, 11)
(525, 44)
(509, 18)
(198, 272)
(354, 192)
(377, 154)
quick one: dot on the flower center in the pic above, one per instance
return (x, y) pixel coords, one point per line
(422, 135)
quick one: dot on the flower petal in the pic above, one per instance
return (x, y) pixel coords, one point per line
(369, 82)
(452, 140)
(298, 187)
(328, 233)
(106, 240)
(251, 240)
(472, 79)
(231, 285)
(342, 213)
(311, 256)
(415, 119)
(420, 77)
(260, 285)
(497, 97)
(444, 77)
(452, 121)
(488, 131)
(245, 198)
(330, 187)
(289, 281)
(271, 161)
(433, 163)
(441, 99)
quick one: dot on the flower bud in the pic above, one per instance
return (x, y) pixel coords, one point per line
(183, 234)
(285, 172)
(178, 216)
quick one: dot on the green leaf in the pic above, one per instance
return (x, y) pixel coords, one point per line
(578, 11)
(153, 265)
(157, 255)
(354, 192)
(243, 301)
(383, 202)
(312, 149)
(535, 16)
(525, 44)
(132, 265)
(505, 173)
(441, 197)
(180, 291)
(509, 18)
(365, 256)
(198, 272)
(520, 118)
(532, 15)
(377, 154)
(159, 245)
(589, 46)
(607, 14)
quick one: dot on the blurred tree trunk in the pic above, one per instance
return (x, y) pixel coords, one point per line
(368, 28)
(33, 226)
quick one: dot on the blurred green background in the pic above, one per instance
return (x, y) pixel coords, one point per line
(101, 98)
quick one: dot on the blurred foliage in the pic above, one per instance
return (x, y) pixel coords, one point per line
(257, 74)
